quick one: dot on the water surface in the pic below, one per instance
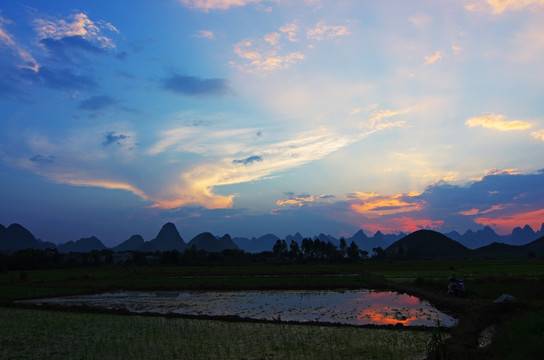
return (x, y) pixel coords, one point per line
(353, 307)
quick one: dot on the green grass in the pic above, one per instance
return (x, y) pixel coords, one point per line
(520, 328)
(35, 334)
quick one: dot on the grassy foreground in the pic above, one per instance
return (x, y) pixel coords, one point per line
(518, 328)
(39, 334)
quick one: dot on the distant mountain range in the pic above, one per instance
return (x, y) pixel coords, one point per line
(428, 244)
(16, 237)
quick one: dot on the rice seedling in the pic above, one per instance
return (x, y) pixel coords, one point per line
(58, 335)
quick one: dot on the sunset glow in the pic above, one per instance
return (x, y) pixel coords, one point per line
(251, 117)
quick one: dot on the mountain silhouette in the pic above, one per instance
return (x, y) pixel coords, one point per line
(168, 239)
(255, 245)
(426, 244)
(16, 237)
(133, 243)
(82, 245)
(484, 242)
(207, 242)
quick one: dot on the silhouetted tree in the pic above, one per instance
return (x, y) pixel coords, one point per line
(378, 253)
(353, 251)
(343, 247)
(294, 250)
(280, 248)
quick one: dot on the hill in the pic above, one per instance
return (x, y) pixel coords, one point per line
(207, 242)
(82, 245)
(133, 243)
(424, 244)
(16, 237)
(168, 238)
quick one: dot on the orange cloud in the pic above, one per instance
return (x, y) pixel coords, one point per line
(433, 58)
(505, 223)
(539, 135)
(499, 6)
(497, 122)
(475, 211)
(374, 205)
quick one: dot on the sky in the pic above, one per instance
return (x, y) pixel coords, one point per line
(250, 117)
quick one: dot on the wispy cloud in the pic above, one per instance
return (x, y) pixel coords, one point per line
(322, 31)
(206, 34)
(43, 159)
(113, 138)
(95, 103)
(263, 61)
(539, 135)
(296, 200)
(206, 5)
(63, 79)
(248, 161)
(291, 30)
(431, 59)
(497, 122)
(195, 86)
(500, 6)
(7, 40)
(78, 25)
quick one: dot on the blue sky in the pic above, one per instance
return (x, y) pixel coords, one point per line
(249, 117)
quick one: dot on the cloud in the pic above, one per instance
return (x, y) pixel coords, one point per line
(95, 103)
(194, 86)
(206, 34)
(290, 199)
(500, 6)
(273, 38)
(291, 30)
(63, 79)
(539, 135)
(249, 160)
(206, 5)
(263, 61)
(112, 138)
(7, 40)
(68, 49)
(420, 20)
(497, 122)
(43, 159)
(79, 25)
(433, 58)
(321, 31)
(197, 184)
(373, 205)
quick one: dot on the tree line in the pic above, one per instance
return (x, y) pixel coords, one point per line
(308, 251)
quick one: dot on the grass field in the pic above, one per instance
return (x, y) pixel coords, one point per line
(519, 327)
(39, 334)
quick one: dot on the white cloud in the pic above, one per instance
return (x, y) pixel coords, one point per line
(272, 38)
(78, 25)
(290, 30)
(322, 31)
(6, 39)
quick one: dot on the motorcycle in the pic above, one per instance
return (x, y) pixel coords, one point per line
(456, 286)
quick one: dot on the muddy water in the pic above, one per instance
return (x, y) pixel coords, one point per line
(360, 307)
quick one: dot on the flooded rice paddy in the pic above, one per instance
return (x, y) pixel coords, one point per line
(353, 307)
